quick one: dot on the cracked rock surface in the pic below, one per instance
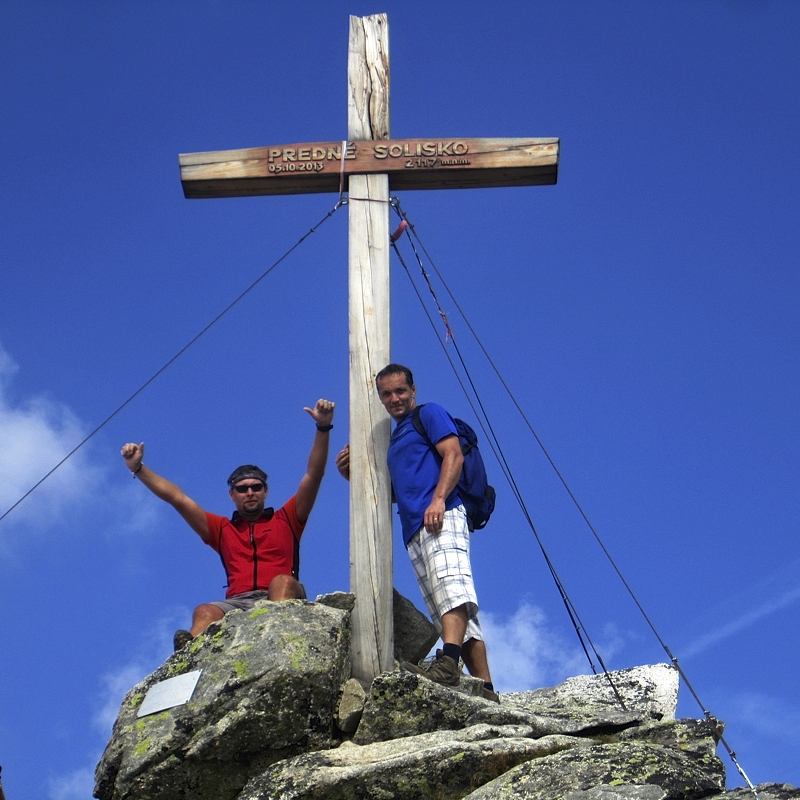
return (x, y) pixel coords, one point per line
(275, 714)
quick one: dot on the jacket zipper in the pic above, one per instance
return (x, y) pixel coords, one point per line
(255, 556)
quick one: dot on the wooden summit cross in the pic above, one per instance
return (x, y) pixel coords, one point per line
(372, 164)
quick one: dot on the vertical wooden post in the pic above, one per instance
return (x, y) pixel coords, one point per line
(370, 488)
(435, 164)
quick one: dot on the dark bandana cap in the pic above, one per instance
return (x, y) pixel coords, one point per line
(247, 471)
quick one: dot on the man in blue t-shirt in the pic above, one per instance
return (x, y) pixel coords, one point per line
(434, 522)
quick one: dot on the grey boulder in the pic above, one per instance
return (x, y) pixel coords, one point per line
(681, 776)
(650, 690)
(404, 704)
(431, 765)
(270, 681)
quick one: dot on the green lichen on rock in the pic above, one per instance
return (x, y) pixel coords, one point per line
(297, 647)
(431, 766)
(214, 636)
(178, 666)
(267, 690)
(697, 737)
(142, 747)
(628, 763)
(260, 725)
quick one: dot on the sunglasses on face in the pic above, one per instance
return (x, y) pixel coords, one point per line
(245, 488)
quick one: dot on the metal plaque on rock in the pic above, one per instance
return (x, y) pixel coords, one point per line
(169, 693)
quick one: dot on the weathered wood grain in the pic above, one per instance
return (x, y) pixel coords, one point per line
(371, 574)
(373, 165)
(410, 163)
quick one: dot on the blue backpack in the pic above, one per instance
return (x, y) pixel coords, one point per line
(473, 488)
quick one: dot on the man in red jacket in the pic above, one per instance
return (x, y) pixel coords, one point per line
(259, 546)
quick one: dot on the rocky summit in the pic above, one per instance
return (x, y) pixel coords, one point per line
(275, 714)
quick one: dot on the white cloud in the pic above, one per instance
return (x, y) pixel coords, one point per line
(155, 647)
(115, 685)
(36, 434)
(7, 366)
(770, 717)
(78, 785)
(526, 653)
(702, 643)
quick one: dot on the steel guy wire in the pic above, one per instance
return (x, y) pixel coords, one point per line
(410, 230)
(492, 439)
(173, 359)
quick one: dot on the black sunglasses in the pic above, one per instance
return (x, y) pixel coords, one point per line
(245, 488)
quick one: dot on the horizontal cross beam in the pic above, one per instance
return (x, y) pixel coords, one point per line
(410, 164)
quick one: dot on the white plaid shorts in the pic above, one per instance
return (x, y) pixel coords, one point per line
(441, 563)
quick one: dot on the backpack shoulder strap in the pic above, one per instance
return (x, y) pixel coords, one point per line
(420, 429)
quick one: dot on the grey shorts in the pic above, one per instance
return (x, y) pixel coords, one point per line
(244, 601)
(444, 573)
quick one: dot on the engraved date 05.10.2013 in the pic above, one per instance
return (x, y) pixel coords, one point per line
(296, 166)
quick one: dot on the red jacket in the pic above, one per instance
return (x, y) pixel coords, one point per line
(253, 553)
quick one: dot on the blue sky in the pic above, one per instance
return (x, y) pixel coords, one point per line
(643, 312)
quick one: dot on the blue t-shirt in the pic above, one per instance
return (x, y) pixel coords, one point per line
(414, 468)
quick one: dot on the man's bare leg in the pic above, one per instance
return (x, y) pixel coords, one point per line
(282, 587)
(285, 587)
(445, 670)
(203, 616)
(454, 625)
(474, 654)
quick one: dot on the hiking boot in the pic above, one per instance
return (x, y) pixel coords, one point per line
(488, 694)
(181, 639)
(442, 670)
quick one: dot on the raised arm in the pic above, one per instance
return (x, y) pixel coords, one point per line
(322, 414)
(165, 490)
